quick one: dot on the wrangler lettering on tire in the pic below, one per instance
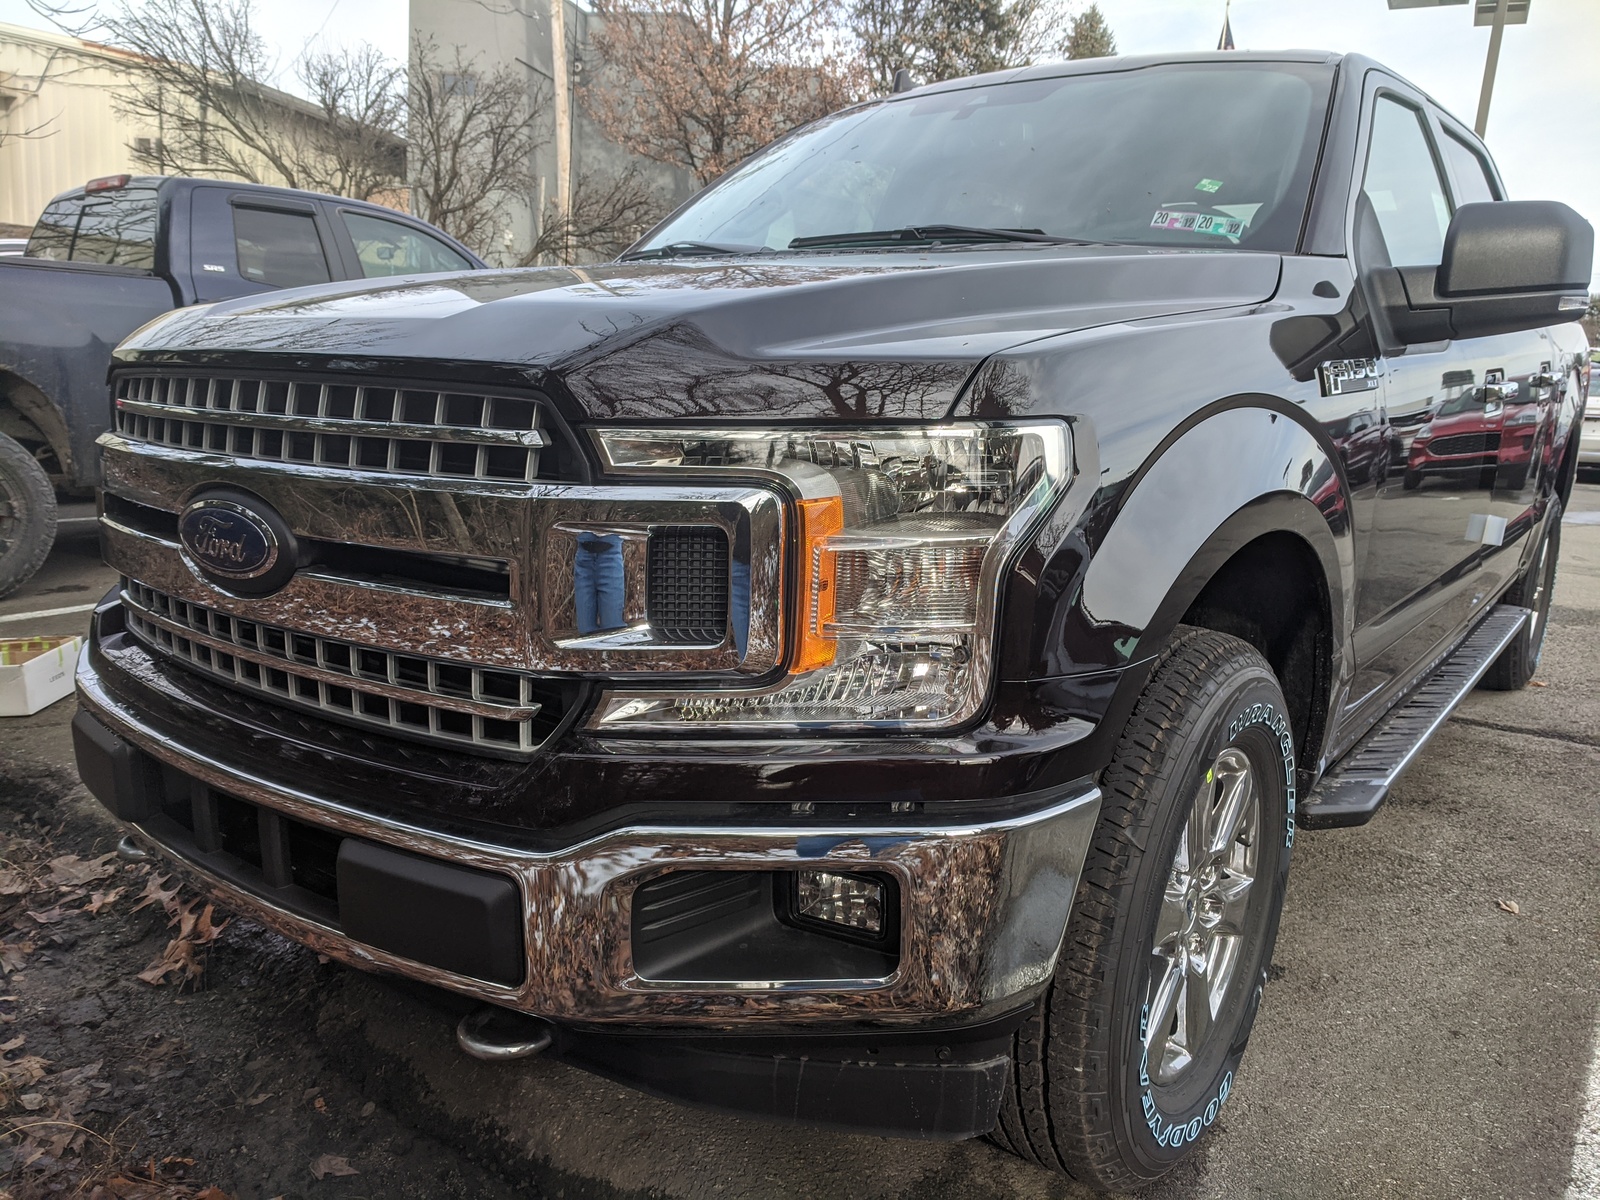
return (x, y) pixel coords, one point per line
(1131, 1054)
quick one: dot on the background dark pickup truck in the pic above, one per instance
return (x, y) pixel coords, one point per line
(109, 256)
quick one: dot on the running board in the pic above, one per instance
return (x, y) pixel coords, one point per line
(1350, 793)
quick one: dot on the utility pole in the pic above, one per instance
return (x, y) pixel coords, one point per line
(561, 85)
(1490, 66)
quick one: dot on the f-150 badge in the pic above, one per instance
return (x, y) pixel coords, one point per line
(1342, 376)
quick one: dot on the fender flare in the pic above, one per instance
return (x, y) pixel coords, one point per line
(32, 405)
(1241, 469)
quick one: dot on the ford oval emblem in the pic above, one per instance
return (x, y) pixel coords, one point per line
(228, 539)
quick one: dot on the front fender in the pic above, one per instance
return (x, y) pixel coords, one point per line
(1111, 590)
(1246, 467)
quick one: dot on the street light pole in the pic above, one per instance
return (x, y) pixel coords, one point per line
(1495, 13)
(1491, 65)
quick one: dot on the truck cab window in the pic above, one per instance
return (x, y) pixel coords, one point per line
(277, 248)
(1404, 188)
(390, 248)
(1473, 185)
(114, 229)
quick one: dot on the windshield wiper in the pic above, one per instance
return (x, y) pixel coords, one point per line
(690, 249)
(925, 234)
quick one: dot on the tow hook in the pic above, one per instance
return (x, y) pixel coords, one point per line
(496, 1034)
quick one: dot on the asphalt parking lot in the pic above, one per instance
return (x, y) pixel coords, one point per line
(1420, 1039)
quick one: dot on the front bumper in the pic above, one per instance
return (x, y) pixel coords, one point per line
(983, 905)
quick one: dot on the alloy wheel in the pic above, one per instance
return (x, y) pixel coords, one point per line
(1200, 931)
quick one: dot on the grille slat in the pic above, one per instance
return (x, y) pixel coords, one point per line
(359, 427)
(405, 695)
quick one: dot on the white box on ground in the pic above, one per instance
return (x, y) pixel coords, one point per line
(36, 672)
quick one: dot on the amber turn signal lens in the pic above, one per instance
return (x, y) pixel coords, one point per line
(819, 521)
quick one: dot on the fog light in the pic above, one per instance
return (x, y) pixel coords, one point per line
(848, 901)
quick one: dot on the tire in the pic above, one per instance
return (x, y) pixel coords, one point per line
(27, 515)
(1533, 589)
(1411, 480)
(1085, 1098)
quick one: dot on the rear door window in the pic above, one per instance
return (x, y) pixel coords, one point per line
(278, 248)
(110, 228)
(1473, 182)
(390, 248)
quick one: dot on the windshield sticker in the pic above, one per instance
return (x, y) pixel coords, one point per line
(1208, 185)
(1198, 223)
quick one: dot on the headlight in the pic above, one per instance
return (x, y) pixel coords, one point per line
(897, 542)
(1424, 433)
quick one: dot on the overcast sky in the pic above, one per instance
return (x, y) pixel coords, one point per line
(1544, 125)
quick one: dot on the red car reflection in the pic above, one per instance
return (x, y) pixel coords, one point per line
(1487, 430)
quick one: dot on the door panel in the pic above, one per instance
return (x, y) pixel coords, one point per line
(1444, 523)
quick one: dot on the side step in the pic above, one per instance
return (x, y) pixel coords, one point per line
(1350, 793)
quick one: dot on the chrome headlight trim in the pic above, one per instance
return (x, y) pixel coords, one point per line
(629, 711)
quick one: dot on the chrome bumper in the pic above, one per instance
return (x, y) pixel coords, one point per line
(984, 905)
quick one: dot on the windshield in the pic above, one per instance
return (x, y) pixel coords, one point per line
(1198, 154)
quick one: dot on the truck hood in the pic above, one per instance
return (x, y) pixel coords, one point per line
(885, 336)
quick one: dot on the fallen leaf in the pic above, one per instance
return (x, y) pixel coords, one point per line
(13, 883)
(99, 900)
(50, 915)
(33, 1102)
(13, 955)
(258, 1098)
(71, 871)
(25, 1072)
(325, 1165)
(212, 1193)
(320, 1104)
(1509, 906)
(154, 894)
(1537, 683)
(15, 1043)
(368, 1109)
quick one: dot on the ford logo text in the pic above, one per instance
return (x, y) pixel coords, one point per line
(227, 539)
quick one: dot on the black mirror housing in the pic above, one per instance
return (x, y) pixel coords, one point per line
(1507, 266)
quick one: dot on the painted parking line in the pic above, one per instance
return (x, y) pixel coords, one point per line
(1584, 1181)
(40, 614)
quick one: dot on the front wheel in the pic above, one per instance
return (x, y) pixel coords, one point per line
(1131, 1053)
(27, 515)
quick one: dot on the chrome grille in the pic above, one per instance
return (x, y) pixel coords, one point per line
(474, 708)
(394, 430)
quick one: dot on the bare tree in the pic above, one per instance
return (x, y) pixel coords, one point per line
(605, 215)
(470, 142)
(701, 85)
(944, 39)
(357, 141)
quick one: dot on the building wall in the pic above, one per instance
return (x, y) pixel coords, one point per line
(516, 33)
(69, 89)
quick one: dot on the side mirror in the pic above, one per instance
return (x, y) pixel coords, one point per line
(1508, 266)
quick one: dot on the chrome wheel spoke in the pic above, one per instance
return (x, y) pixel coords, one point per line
(1198, 1010)
(1238, 792)
(1229, 901)
(1172, 920)
(1163, 1005)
